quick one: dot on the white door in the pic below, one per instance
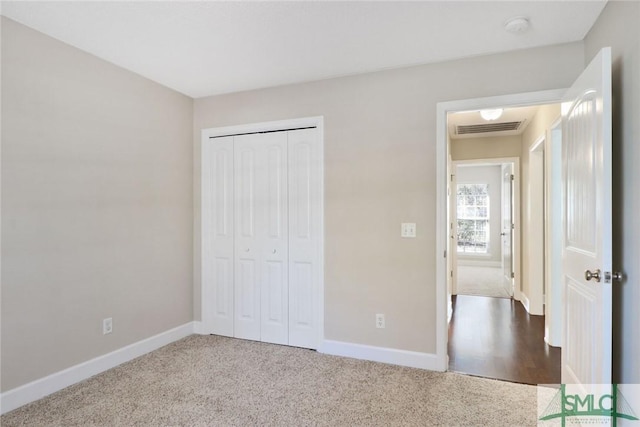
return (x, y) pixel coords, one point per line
(217, 235)
(305, 236)
(261, 290)
(507, 227)
(274, 271)
(586, 148)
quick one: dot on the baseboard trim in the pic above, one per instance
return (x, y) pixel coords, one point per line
(392, 356)
(42, 387)
(524, 301)
(478, 263)
(198, 328)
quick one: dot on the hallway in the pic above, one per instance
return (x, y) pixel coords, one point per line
(497, 338)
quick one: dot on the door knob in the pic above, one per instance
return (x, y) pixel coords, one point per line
(588, 275)
(503, 234)
(274, 251)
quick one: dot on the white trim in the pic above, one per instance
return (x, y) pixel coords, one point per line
(318, 123)
(553, 236)
(42, 387)
(535, 195)
(525, 301)
(538, 145)
(442, 149)
(198, 328)
(464, 262)
(392, 356)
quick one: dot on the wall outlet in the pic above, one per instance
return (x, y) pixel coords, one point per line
(408, 229)
(107, 326)
(380, 321)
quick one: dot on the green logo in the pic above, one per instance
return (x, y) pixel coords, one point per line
(611, 405)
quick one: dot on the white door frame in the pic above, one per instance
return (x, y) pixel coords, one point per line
(442, 153)
(534, 225)
(553, 241)
(279, 125)
(493, 161)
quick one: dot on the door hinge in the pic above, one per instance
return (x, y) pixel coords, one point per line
(513, 226)
(445, 253)
(513, 275)
(513, 177)
(452, 175)
(451, 273)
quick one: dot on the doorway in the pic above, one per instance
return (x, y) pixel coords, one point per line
(515, 334)
(485, 201)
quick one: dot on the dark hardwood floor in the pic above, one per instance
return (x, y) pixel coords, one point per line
(497, 338)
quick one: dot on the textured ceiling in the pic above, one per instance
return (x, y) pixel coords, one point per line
(205, 48)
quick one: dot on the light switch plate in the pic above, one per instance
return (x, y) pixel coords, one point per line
(408, 229)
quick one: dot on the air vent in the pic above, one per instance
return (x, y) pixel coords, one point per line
(488, 127)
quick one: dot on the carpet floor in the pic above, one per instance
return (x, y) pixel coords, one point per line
(481, 281)
(216, 381)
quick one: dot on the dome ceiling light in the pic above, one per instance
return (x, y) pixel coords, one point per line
(517, 25)
(491, 114)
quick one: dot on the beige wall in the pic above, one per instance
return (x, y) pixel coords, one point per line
(486, 148)
(539, 126)
(96, 206)
(618, 27)
(380, 139)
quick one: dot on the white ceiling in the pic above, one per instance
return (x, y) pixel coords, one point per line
(208, 47)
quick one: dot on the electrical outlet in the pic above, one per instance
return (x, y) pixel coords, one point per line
(107, 326)
(380, 321)
(408, 229)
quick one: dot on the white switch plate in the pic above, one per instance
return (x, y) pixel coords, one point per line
(107, 326)
(380, 321)
(408, 229)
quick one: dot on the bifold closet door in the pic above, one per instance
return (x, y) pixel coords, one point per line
(305, 234)
(218, 235)
(261, 237)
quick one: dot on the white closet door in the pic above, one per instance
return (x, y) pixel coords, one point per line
(217, 235)
(304, 237)
(274, 270)
(261, 290)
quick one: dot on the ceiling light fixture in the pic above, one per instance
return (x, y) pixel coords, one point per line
(491, 114)
(517, 25)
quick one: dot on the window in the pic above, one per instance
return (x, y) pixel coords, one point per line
(473, 218)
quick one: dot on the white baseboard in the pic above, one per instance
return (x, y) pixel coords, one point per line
(478, 263)
(42, 387)
(392, 356)
(198, 328)
(524, 301)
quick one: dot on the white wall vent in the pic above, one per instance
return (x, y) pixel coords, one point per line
(488, 127)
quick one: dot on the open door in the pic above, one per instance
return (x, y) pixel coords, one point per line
(586, 161)
(507, 228)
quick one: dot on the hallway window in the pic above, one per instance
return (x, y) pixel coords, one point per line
(473, 218)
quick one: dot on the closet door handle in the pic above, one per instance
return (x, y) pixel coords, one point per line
(274, 251)
(246, 250)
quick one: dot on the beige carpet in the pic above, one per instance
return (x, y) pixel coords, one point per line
(215, 381)
(481, 281)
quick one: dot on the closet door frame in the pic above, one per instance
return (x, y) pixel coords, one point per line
(207, 323)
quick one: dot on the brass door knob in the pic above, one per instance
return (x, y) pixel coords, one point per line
(588, 275)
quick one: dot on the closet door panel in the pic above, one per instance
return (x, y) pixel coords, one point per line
(304, 238)
(217, 236)
(247, 239)
(275, 288)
